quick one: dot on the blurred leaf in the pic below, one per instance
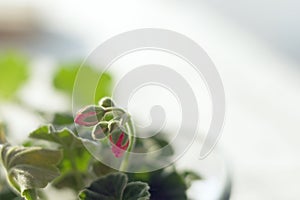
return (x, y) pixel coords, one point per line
(157, 142)
(162, 144)
(74, 166)
(62, 119)
(2, 134)
(189, 177)
(164, 184)
(64, 80)
(13, 73)
(100, 169)
(115, 187)
(29, 168)
(69, 180)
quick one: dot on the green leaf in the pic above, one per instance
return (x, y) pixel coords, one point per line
(29, 168)
(75, 163)
(13, 73)
(108, 187)
(115, 187)
(63, 137)
(64, 120)
(64, 80)
(136, 191)
(164, 184)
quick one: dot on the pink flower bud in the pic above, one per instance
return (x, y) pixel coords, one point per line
(119, 148)
(100, 131)
(89, 116)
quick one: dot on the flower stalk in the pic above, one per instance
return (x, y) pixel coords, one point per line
(131, 132)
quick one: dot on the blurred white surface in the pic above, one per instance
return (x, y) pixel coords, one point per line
(262, 132)
(275, 21)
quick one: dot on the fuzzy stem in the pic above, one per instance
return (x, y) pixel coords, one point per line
(30, 194)
(131, 133)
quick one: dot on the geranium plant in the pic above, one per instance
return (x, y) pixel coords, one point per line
(55, 155)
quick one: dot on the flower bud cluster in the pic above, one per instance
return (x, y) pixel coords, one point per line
(107, 121)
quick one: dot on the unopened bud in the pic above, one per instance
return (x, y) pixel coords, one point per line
(106, 102)
(100, 131)
(90, 115)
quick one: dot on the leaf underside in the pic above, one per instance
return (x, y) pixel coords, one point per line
(30, 168)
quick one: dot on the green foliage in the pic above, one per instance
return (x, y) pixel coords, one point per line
(64, 80)
(65, 77)
(115, 187)
(62, 119)
(157, 142)
(78, 168)
(75, 163)
(13, 73)
(2, 134)
(164, 184)
(167, 183)
(136, 190)
(29, 168)
(99, 169)
(63, 137)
